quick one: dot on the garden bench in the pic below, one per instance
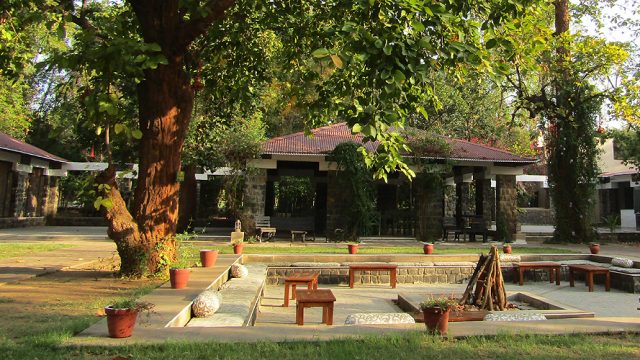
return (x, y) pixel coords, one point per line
(552, 267)
(263, 227)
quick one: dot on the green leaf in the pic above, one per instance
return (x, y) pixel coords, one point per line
(357, 128)
(387, 49)
(491, 43)
(119, 128)
(320, 53)
(136, 134)
(99, 130)
(399, 76)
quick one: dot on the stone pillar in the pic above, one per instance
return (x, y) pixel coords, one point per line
(255, 187)
(462, 201)
(333, 207)
(19, 193)
(429, 208)
(52, 196)
(483, 195)
(449, 201)
(506, 197)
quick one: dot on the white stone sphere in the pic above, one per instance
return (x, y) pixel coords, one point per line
(206, 304)
(239, 271)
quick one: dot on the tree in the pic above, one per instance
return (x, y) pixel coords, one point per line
(370, 71)
(563, 85)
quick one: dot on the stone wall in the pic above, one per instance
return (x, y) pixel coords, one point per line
(13, 222)
(536, 216)
(406, 275)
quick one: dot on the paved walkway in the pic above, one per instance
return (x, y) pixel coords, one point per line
(87, 245)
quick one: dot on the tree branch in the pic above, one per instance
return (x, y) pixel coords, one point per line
(195, 27)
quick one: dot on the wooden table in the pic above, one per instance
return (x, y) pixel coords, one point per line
(308, 278)
(315, 298)
(589, 271)
(552, 267)
(393, 271)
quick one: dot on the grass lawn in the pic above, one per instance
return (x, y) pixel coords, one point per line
(15, 249)
(34, 324)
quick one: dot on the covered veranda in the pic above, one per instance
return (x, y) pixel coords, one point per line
(480, 187)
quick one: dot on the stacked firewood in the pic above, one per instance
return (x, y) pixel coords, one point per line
(486, 287)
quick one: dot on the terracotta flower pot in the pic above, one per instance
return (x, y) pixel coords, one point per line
(428, 249)
(120, 322)
(208, 257)
(506, 249)
(179, 278)
(237, 248)
(594, 248)
(436, 319)
(353, 248)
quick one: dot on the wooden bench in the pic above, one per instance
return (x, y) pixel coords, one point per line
(310, 279)
(393, 271)
(589, 271)
(552, 267)
(315, 298)
(263, 227)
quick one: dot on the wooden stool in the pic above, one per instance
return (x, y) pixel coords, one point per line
(315, 298)
(309, 278)
(589, 271)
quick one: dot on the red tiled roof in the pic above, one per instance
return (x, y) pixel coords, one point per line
(326, 138)
(10, 144)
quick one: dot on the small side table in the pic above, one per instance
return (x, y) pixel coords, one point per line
(589, 271)
(309, 278)
(315, 298)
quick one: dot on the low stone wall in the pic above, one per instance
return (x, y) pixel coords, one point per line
(6, 223)
(76, 221)
(535, 216)
(407, 274)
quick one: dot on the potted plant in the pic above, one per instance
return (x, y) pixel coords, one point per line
(506, 248)
(353, 248)
(122, 315)
(238, 246)
(436, 313)
(594, 248)
(208, 257)
(180, 268)
(427, 248)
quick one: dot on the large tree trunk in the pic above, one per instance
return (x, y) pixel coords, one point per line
(145, 238)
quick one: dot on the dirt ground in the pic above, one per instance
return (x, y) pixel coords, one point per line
(69, 299)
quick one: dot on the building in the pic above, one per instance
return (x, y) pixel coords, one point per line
(404, 208)
(29, 179)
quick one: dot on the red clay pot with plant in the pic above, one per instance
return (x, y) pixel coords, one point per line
(208, 257)
(237, 248)
(120, 322)
(594, 248)
(436, 319)
(179, 278)
(506, 249)
(428, 249)
(353, 248)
